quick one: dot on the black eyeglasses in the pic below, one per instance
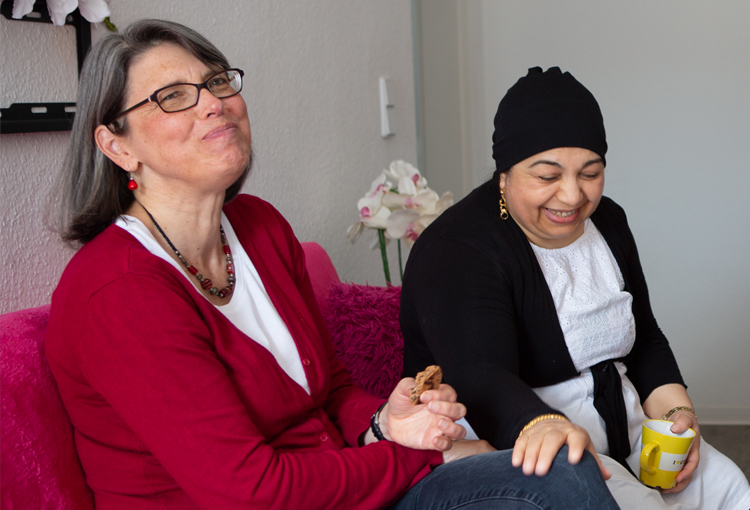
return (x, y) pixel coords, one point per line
(182, 96)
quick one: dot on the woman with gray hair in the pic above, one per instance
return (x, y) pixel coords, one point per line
(185, 338)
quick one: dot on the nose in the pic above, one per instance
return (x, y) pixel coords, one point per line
(570, 192)
(208, 104)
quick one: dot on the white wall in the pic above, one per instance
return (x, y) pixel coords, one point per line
(440, 120)
(449, 56)
(671, 78)
(312, 73)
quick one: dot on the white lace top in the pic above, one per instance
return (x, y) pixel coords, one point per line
(587, 287)
(250, 309)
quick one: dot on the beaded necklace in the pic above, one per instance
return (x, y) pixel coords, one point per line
(206, 283)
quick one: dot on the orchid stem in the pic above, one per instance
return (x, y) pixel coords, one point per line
(384, 255)
(400, 264)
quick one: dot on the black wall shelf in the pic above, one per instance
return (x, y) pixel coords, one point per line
(37, 117)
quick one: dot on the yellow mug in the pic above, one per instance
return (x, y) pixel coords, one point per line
(663, 453)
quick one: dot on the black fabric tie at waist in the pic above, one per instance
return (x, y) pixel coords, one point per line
(610, 404)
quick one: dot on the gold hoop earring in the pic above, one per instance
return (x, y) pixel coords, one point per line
(503, 204)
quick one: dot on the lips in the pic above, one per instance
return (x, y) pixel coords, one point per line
(562, 216)
(220, 131)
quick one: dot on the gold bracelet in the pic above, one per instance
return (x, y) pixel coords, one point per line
(542, 418)
(679, 408)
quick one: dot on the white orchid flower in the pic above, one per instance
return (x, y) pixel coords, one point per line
(369, 205)
(371, 210)
(376, 219)
(408, 225)
(426, 201)
(372, 214)
(395, 201)
(430, 203)
(403, 212)
(400, 222)
(59, 10)
(21, 8)
(398, 213)
(379, 186)
(354, 231)
(407, 187)
(94, 10)
(446, 200)
(401, 168)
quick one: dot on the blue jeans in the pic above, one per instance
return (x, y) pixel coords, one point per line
(490, 481)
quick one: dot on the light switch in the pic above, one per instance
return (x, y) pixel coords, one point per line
(385, 105)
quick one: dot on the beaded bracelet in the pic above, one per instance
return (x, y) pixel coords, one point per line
(375, 425)
(678, 408)
(542, 418)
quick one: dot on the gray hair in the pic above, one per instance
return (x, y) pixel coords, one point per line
(95, 190)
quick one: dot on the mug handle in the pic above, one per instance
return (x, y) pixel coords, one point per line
(648, 458)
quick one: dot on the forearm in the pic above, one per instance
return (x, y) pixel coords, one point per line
(665, 398)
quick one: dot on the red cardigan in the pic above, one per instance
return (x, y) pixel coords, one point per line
(174, 407)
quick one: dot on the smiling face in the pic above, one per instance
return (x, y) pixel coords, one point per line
(551, 194)
(203, 149)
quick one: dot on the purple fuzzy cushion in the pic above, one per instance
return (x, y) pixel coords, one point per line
(363, 322)
(40, 468)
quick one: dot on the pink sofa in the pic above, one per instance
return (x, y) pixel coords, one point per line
(40, 468)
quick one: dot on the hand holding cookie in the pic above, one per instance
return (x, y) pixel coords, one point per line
(428, 425)
(428, 379)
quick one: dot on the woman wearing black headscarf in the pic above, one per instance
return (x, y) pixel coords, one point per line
(530, 294)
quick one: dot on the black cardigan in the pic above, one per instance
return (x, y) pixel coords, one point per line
(475, 301)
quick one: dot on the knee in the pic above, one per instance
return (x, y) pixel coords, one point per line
(584, 475)
(586, 464)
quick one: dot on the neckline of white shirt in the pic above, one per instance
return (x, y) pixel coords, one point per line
(141, 232)
(265, 327)
(587, 232)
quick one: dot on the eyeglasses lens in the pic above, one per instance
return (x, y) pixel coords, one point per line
(225, 84)
(184, 96)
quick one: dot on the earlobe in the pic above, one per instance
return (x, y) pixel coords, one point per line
(113, 147)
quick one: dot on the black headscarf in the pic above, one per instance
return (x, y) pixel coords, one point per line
(543, 111)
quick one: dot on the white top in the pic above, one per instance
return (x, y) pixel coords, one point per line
(594, 311)
(596, 318)
(250, 308)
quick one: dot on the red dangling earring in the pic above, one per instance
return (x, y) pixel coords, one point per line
(132, 185)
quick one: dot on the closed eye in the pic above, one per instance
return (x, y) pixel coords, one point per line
(172, 95)
(591, 176)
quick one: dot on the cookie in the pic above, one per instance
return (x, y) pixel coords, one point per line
(428, 379)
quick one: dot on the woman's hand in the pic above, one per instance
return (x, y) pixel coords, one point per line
(426, 426)
(661, 400)
(467, 448)
(537, 447)
(682, 421)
